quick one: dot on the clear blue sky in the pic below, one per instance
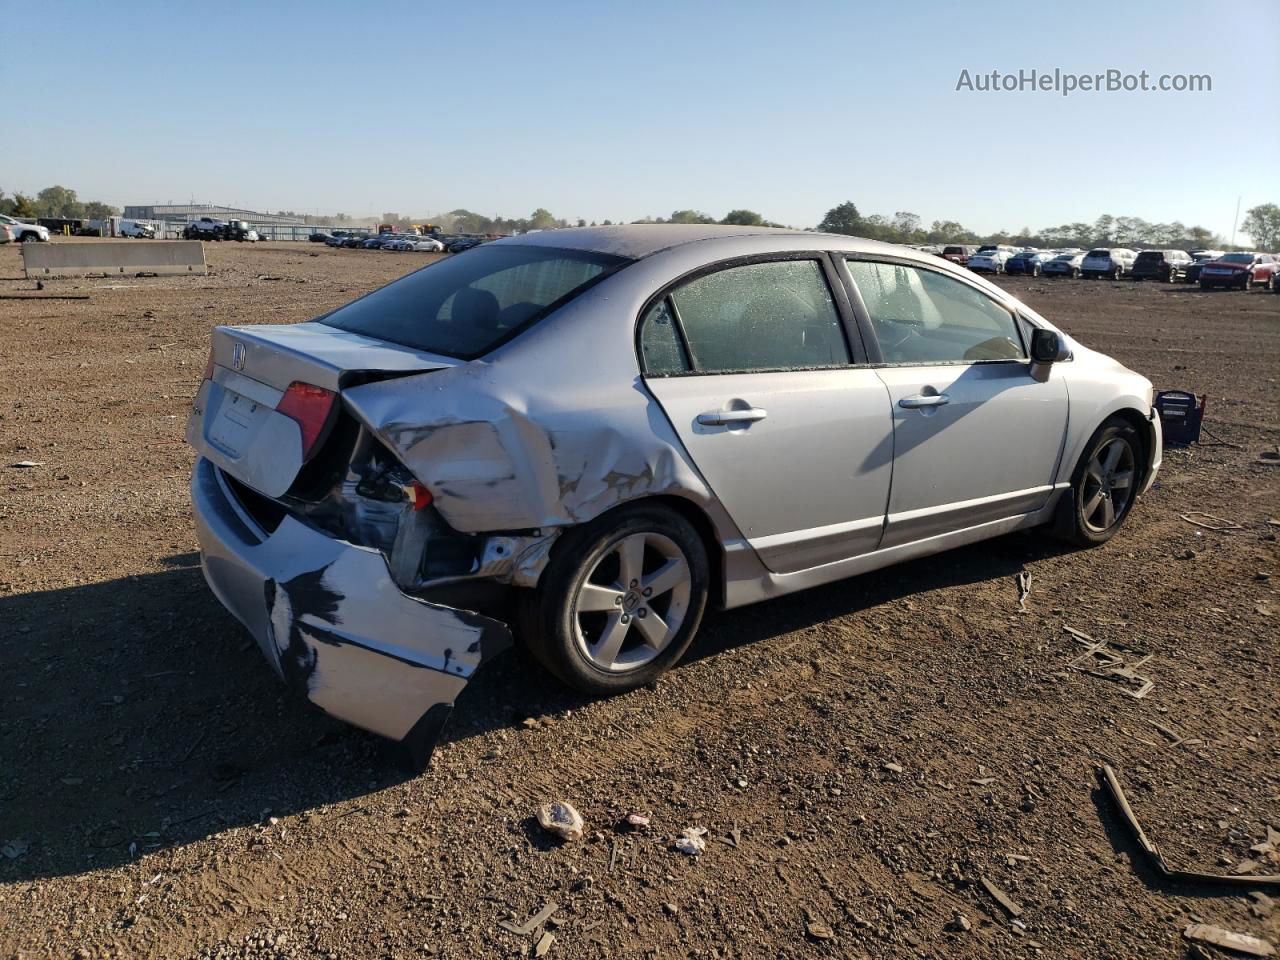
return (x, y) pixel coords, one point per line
(620, 110)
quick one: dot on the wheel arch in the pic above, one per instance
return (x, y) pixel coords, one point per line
(691, 511)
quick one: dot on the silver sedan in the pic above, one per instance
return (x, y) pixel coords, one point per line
(597, 434)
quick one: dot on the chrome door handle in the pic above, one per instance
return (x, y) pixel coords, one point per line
(719, 418)
(920, 400)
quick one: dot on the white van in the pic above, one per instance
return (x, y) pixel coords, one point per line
(132, 228)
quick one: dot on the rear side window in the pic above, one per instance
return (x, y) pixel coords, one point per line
(464, 306)
(920, 316)
(761, 316)
(660, 346)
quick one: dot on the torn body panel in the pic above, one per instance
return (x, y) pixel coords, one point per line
(331, 620)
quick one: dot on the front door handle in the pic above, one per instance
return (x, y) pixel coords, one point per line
(923, 400)
(719, 418)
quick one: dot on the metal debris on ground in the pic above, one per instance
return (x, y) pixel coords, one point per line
(1240, 942)
(559, 817)
(1024, 590)
(1112, 783)
(691, 842)
(533, 923)
(1002, 898)
(1214, 523)
(1105, 659)
(27, 464)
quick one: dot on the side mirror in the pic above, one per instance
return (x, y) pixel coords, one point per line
(1049, 346)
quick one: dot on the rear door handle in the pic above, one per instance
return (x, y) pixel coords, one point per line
(719, 418)
(921, 400)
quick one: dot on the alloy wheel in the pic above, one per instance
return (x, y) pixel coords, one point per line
(632, 603)
(1107, 490)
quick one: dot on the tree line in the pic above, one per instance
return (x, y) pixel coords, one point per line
(1261, 224)
(56, 202)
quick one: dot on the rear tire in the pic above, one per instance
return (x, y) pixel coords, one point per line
(1104, 485)
(30, 237)
(591, 622)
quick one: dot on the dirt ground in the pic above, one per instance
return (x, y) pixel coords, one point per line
(863, 755)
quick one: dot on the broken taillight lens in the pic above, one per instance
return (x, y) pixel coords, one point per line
(311, 408)
(417, 494)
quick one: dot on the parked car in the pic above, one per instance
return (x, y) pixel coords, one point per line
(353, 240)
(623, 426)
(1206, 254)
(132, 228)
(424, 245)
(958, 253)
(398, 243)
(335, 240)
(1028, 261)
(1168, 266)
(1239, 270)
(1113, 262)
(374, 242)
(1192, 273)
(1064, 265)
(463, 243)
(25, 232)
(6, 233)
(318, 237)
(990, 259)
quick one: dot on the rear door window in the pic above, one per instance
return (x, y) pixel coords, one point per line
(774, 315)
(920, 316)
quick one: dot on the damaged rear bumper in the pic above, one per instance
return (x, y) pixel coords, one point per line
(334, 625)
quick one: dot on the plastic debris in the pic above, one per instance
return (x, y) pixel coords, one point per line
(1112, 783)
(691, 842)
(559, 817)
(1240, 942)
(27, 464)
(637, 821)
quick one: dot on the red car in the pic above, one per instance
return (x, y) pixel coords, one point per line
(1239, 270)
(958, 253)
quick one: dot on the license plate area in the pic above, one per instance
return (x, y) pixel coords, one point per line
(236, 422)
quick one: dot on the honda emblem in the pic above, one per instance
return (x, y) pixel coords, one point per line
(237, 357)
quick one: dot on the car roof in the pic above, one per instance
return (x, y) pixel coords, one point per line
(638, 240)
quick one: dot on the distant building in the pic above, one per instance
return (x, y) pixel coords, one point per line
(194, 211)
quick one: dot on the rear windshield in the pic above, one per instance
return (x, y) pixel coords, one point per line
(1099, 253)
(1150, 256)
(1238, 258)
(952, 250)
(468, 304)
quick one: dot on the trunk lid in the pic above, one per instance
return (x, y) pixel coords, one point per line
(234, 419)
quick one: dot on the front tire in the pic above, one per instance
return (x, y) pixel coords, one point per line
(620, 600)
(1103, 487)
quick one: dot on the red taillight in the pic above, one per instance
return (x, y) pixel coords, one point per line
(310, 407)
(417, 494)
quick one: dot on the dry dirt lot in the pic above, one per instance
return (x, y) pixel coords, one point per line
(864, 755)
